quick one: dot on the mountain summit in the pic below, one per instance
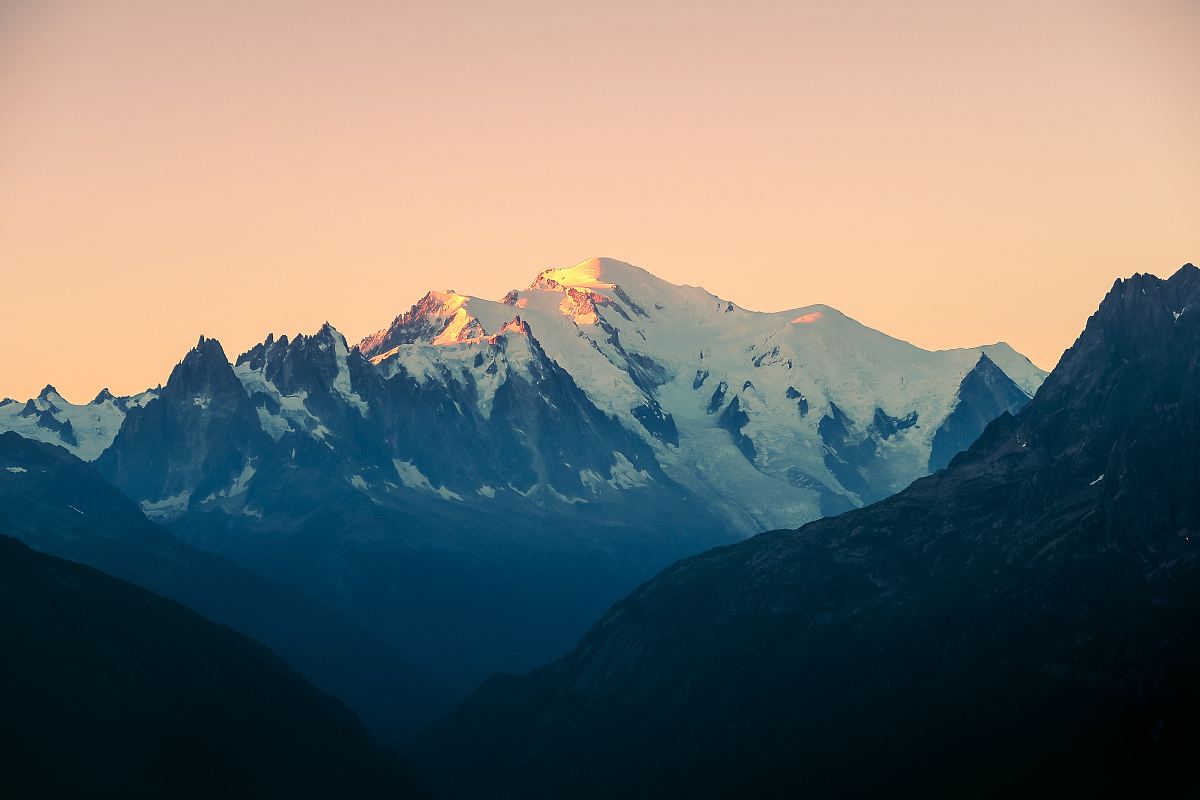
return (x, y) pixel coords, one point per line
(774, 417)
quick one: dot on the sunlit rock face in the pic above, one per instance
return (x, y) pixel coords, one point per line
(535, 455)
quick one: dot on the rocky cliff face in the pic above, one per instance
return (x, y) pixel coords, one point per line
(195, 438)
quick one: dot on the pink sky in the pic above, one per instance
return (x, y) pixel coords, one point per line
(951, 173)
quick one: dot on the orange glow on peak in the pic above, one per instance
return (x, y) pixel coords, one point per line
(515, 326)
(807, 319)
(585, 275)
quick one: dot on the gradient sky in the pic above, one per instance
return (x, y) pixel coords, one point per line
(951, 173)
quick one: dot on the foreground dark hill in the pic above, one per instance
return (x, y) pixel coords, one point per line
(57, 504)
(1024, 620)
(110, 691)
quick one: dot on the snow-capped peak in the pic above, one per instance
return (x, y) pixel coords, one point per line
(437, 318)
(638, 290)
(588, 274)
(693, 370)
(85, 430)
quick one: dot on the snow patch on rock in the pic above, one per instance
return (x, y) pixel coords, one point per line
(341, 382)
(624, 475)
(412, 477)
(167, 507)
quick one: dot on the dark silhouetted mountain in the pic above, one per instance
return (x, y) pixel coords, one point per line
(57, 504)
(111, 691)
(1020, 623)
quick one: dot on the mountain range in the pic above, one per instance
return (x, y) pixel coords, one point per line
(1021, 622)
(464, 491)
(477, 481)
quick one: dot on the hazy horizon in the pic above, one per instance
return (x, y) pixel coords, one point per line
(951, 176)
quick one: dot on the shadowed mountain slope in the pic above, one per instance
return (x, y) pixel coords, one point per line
(111, 691)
